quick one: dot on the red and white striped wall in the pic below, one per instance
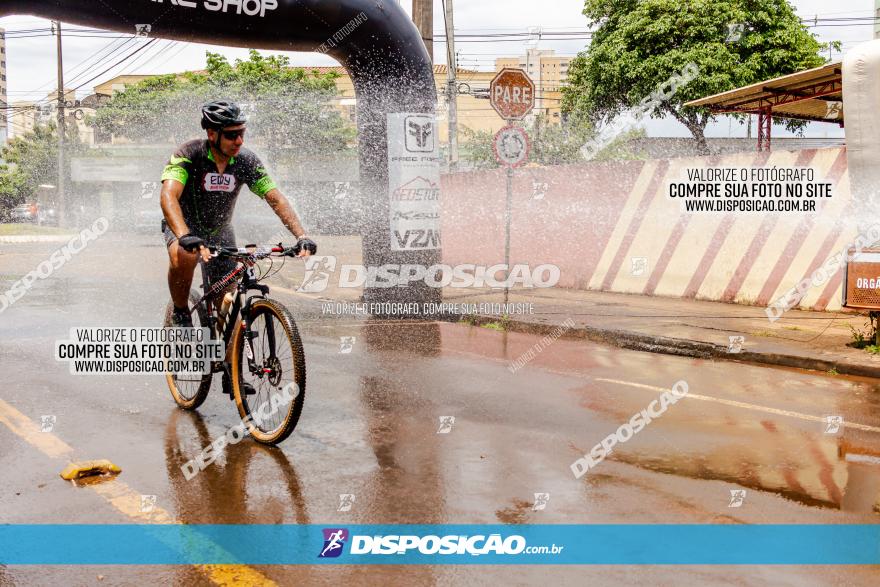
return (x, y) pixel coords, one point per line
(593, 219)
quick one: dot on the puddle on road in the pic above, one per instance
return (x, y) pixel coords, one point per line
(714, 442)
(721, 443)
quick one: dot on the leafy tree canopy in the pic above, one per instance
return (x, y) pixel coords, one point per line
(551, 144)
(31, 160)
(638, 45)
(286, 106)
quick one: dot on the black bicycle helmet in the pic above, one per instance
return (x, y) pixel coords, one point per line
(220, 114)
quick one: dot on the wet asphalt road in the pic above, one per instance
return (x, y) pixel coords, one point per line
(369, 428)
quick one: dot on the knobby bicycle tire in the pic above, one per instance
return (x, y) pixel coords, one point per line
(282, 316)
(205, 386)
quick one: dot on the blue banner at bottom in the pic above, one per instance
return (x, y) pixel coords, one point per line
(53, 544)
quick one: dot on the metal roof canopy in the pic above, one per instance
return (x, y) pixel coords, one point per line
(814, 94)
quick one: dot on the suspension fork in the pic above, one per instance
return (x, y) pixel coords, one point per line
(248, 283)
(270, 335)
(250, 335)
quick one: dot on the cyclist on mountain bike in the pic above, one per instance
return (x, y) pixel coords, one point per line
(200, 185)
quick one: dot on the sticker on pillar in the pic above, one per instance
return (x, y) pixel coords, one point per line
(413, 182)
(420, 133)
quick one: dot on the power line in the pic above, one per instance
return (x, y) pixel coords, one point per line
(132, 54)
(90, 65)
(14, 32)
(821, 16)
(170, 57)
(147, 56)
(81, 63)
(99, 62)
(543, 32)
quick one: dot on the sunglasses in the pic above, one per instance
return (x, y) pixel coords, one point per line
(231, 135)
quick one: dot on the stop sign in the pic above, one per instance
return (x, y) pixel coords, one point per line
(512, 94)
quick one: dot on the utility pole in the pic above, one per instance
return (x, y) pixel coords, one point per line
(423, 17)
(451, 86)
(61, 203)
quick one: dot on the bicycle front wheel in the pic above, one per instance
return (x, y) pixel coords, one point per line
(270, 395)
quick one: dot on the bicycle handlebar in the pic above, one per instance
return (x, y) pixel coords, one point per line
(252, 251)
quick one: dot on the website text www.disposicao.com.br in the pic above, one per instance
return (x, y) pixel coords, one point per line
(338, 541)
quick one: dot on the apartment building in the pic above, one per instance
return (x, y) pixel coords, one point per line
(548, 71)
(4, 102)
(474, 112)
(877, 19)
(27, 115)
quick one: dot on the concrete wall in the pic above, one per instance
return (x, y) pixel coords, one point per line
(595, 218)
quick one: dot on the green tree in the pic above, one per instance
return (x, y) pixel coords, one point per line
(622, 147)
(286, 106)
(551, 144)
(639, 45)
(31, 160)
(557, 144)
(476, 148)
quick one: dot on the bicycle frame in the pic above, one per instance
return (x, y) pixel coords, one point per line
(245, 281)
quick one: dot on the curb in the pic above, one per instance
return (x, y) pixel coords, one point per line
(37, 238)
(677, 346)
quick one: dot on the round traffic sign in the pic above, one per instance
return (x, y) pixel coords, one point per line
(511, 146)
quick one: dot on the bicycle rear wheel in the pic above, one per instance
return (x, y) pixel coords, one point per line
(189, 390)
(272, 400)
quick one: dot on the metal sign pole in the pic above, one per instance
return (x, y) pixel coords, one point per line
(508, 210)
(61, 198)
(511, 147)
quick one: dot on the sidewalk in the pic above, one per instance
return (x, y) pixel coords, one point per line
(37, 238)
(800, 339)
(32, 233)
(806, 340)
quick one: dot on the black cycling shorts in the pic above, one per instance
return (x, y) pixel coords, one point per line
(225, 237)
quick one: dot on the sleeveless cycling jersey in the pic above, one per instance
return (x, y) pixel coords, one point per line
(208, 198)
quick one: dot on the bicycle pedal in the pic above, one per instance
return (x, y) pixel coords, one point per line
(247, 389)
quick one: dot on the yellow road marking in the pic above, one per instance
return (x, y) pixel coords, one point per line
(25, 428)
(122, 497)
(744, 405)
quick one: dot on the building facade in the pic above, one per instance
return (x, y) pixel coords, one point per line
(27, 115)
(118, 84)
(23, 117)
(549, 72)
(474, 111)
(4, 102)
(877, 19)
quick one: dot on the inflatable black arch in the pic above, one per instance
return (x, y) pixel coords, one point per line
(374, 40)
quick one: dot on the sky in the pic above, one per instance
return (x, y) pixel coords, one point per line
(31, 62)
